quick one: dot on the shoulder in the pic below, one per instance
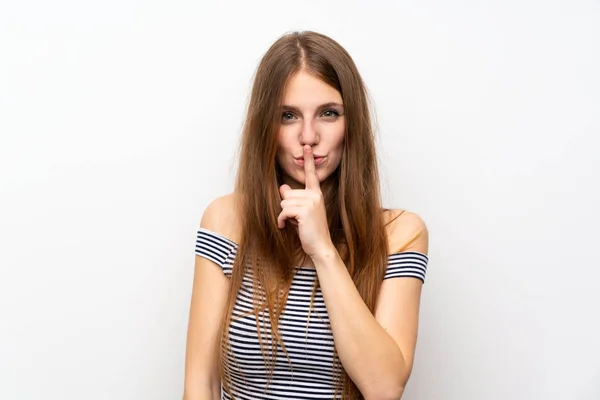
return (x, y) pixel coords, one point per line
(406, 231)
(222, 215)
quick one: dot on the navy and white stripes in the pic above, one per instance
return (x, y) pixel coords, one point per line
(309, 372)
(216, 248)
(407, 264)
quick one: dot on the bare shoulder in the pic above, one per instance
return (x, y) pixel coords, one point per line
(222, 215)
(407, 231)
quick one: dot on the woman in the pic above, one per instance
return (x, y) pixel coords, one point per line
(304, 286)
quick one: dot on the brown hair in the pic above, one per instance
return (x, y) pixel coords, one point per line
(351, 193)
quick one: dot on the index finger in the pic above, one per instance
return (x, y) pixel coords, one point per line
(310, 172)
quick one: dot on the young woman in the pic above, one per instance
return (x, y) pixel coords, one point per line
(304, 286)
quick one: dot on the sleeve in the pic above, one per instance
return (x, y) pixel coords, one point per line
(408, 264)
(216, 248)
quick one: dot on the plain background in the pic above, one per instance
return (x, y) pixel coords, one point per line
(119, 123)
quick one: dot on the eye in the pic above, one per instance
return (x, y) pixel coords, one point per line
(286, 116)
(331, 113)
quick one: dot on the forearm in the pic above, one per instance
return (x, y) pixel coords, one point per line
(369, 355)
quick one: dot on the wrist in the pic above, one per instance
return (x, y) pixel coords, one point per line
(327, 254)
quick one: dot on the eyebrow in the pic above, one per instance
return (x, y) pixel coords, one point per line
(322, 106)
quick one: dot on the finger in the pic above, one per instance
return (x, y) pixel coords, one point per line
(281, 220)
(294, 194)
(290, 213)
(296, 202)
(310, 172)
(283, 189)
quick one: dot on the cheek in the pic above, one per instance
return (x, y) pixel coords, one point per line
(338, 143)
(283, 147)
(287, 138)
(337, 137)
(282, 143)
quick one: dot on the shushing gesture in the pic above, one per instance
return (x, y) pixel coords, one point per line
(307, 207)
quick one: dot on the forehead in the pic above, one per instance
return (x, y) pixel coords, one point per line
(305, 90)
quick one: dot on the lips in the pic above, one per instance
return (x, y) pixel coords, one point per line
(318, 160)
(315, 156)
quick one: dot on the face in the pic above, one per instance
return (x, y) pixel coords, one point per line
(313, 114)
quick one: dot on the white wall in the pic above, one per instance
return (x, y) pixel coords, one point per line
(119, 122)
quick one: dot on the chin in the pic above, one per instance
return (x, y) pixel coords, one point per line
(321, 174)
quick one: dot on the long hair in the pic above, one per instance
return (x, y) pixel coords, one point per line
(351, 193)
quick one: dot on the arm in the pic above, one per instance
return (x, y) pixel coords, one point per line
(207, 308)
(376, 350)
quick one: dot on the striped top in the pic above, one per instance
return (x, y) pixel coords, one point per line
(309, 372)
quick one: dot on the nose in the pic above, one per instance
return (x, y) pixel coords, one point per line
(309, 134)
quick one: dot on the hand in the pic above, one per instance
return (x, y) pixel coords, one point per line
(307, 208)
